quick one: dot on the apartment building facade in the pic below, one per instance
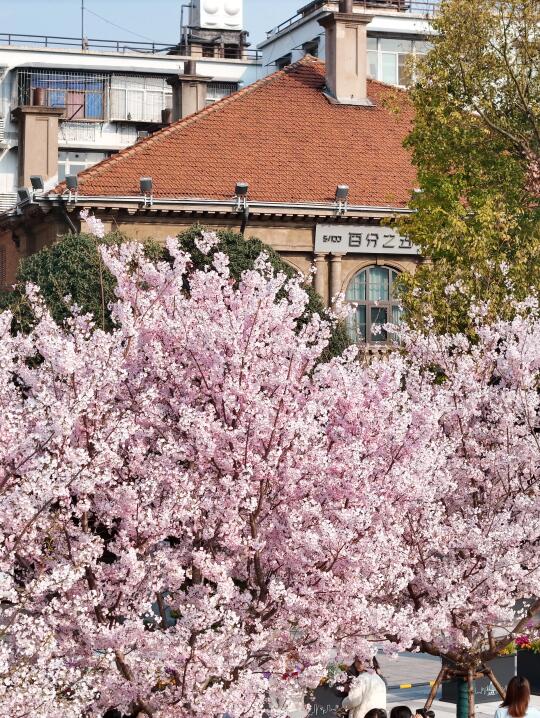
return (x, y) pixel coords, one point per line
(398, 32)
(79, 101)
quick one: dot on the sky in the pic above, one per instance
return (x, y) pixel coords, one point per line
(154, 20)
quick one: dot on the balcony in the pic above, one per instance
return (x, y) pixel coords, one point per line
(422, 8)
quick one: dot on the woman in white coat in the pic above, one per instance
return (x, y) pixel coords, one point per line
(367, 691)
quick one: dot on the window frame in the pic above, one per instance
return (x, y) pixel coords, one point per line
(370, 304)
(400, 58)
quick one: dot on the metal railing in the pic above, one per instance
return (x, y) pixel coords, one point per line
(96, 45)
(427, 8)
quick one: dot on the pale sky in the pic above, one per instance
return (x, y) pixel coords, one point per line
(157, 20)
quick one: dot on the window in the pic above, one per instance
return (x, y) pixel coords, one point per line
(372, 291)
(218, 90)
(71, 163)
(139, 98)
(82, 94)
(389, 59)
(311, 47)
(284, 61)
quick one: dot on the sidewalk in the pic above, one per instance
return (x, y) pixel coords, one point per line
(448, 710)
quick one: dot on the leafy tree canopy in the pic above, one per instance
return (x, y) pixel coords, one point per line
(476, 144)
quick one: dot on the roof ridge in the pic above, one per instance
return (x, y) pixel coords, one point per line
(194, 117)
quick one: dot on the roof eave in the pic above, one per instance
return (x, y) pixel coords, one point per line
(216, 206)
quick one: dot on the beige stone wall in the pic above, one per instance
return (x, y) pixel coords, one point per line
(294, 240)
(9, 259)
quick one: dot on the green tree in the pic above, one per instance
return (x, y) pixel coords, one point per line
(476, 144)
(71, 271)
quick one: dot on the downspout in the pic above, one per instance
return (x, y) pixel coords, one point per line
(245, 218)
(65, 216)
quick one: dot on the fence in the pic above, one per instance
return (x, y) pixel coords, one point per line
(427, 8)
(96, 45)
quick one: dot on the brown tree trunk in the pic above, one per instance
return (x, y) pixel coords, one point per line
(470, 686)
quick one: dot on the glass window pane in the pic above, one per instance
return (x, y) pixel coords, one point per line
(357, 325)
(372, 43)
(372, 64)
(421, 48)
(404, 70)
(356, 291)
(61, 172)
(396, 45)
(379, 284)
(378, 317)
(389, 68)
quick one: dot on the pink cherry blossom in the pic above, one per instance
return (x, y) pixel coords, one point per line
(196, 513)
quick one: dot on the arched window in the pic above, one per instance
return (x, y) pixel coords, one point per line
(373, 292)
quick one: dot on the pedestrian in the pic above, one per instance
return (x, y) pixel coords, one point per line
(367, 691)
(376, 713)
(516, 702)
(401, 712)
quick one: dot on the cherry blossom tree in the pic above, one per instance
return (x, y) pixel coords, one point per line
(196, 513)
(192, 506)
(471, 532)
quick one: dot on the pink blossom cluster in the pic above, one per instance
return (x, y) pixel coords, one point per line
(196, 513)
(93, 224)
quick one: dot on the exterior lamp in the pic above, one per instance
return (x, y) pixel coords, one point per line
(72, 184)
(342, 197)
(24, 196)
(146, 184)
(37, 182)
(240, 192)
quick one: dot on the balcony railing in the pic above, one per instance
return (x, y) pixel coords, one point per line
(427, 8)
(95, 45)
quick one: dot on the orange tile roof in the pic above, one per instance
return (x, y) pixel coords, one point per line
(282, 136)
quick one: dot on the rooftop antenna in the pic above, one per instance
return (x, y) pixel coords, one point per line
(82, 25)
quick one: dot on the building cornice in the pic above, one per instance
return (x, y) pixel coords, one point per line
(226, 207)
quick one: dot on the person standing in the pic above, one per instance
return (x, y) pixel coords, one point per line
(367, 691)
(516, 702)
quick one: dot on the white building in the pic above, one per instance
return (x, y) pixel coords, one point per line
(399, 29)
(112, 92)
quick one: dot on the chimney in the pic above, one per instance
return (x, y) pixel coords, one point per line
(189, 91)
(38, 139)
(346, 55)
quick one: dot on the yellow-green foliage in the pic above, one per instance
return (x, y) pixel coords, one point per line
(477, 103)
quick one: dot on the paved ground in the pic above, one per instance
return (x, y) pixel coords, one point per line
(448, 710)
(419, 668)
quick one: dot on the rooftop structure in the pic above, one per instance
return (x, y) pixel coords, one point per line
(397, 30)
(104, 96)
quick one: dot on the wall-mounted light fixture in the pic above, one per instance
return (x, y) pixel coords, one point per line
(24, 196)
(38, 183)
(72, 185)
(342, 198)
(147, 188)
(240, 193)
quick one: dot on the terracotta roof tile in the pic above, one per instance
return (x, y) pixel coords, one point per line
(283, 137)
